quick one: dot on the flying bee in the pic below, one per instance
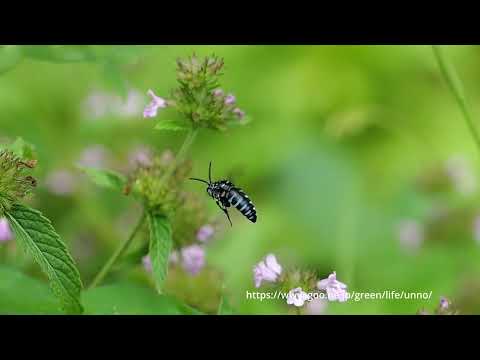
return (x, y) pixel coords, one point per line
(226, 194)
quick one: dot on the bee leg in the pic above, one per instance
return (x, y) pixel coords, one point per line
(225, 211)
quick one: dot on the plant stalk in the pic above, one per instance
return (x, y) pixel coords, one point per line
(117, 254)
(455, 85)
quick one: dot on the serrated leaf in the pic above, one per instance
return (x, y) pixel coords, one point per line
(105, 178)
(172, 125)
(132, 299)
(38, 236)
(160, 247)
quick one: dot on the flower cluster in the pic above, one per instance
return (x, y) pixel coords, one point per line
(444, 307)
(15, 183)
(298, 283)
(157, 183)
(199, 97)
(101, 104)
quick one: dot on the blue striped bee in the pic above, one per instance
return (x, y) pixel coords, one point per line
(227, 194)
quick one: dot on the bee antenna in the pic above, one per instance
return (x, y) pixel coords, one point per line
(200, 180)
(210, 172)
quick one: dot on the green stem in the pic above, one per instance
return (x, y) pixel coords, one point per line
(181, 153)
(117, 254)
(455, 85)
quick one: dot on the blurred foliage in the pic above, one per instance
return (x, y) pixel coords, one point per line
(345, 143)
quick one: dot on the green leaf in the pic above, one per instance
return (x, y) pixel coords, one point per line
(131, 299)
(172, 125)
(10, 56)
(106, 178)
(36, 234)
(23, 295)
(160, 246)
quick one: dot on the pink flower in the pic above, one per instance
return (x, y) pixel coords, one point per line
(140, 155)
(193, 259)
(267, 270)
(156, 103)
(5, 232)
(147, 263)
(335, 289)
(230, 99)
(297, 297)
(444, 303)
(94, 156)
(217, 92)
(60, 182)
(316, 307)
(239, 113)
(410, 234)
(205, 233)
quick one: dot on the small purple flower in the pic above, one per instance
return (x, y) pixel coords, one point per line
(156, 103)
(239, 113)
(230, 99)
(410, 234)
(193, 259)
(444, 303)
(5, 232)
(335, 289)
(94, 156)
(205, 233)
(476, 229)
(316, 307)
(297, 297)
(60, 182)
(217, 92)
(147, 263)
(140, 155)
(267, 270)
(460, 172)
(96, 105)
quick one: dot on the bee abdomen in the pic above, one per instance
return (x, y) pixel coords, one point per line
(237, 198)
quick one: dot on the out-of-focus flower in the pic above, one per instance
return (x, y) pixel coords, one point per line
(316, 306)
(410, 234)
(205, 233)
(97, 104)
(267, 270)
(147, 263)
(239, 113)
(94, 156)
(5, 232)
(156, 103)
(218, 92)
(476, 228)
(60, 182)
(129, 107)
(461, 175)
(297, 297)
(336, 290)
(140, 155)
(167, 157)
(193, 259)
(444, 303)
(230, 99)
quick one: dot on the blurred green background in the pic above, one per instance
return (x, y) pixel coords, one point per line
(357, 159)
